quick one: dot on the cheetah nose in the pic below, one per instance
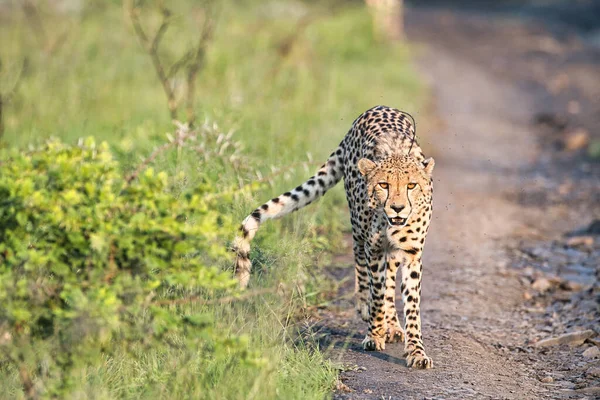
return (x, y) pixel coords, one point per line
(397, 208)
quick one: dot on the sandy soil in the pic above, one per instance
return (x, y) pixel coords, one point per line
(499, 223)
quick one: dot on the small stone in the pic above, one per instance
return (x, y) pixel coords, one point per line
(367, 391)
(558, 83)
(572, 338)
(525, 281)
(573, 107)
(592, 352)
(527, 296)
(576, 139)
(541, 285)
(555, 280)
(594, 342)
(571, 286)
(551, 120)
(566, 384)
(565, 188)
(593, 390)
(593, 371)
(593, 228)
(342, 387)
(5, 338)
(547, 379)
(580, 241)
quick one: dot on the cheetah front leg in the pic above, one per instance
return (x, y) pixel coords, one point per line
(394, 329)
(361, 282)
(375, 339)
(411, 296)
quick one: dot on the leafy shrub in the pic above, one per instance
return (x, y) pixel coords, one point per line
(90, 263)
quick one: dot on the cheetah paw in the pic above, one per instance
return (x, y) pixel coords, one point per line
(394, 335)
(373, 343)
(419, 360)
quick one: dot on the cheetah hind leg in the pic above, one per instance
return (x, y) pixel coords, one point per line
(362, 308)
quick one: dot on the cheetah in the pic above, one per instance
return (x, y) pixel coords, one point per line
(389, 186)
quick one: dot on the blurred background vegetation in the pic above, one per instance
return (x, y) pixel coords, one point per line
(275, 85)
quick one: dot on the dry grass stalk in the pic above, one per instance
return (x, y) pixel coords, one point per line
(221, 300)
(182, 134)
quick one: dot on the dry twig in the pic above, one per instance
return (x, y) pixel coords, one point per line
(196, 64)
(49, 45)
(192, 60)
(287, 44)
(151, 45)
(27, 383)
(35, 22)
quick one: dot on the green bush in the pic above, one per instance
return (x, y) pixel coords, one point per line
(89, 263)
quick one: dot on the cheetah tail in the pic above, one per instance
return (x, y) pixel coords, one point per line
(326, 177)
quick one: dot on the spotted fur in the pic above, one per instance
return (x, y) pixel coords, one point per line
(388, 185)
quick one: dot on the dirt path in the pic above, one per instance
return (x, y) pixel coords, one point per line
(471, 301)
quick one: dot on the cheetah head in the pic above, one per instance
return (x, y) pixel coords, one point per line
(398, 185)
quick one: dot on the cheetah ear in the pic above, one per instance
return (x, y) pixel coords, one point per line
(365, 166)
(428, 164)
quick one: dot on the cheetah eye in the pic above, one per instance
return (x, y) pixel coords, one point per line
(411, 185)
(384, 185)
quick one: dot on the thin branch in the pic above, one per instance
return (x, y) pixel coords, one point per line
(151, 46)
(35, 22)
(56, 44)
(10, 93)
(287, 44)
(27, 382)
(162, 29)
(6, 97)
(192, 60)
(197, 64)
(177, 65)
(24, 377)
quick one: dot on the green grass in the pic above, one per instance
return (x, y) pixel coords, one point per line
(101, 83)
